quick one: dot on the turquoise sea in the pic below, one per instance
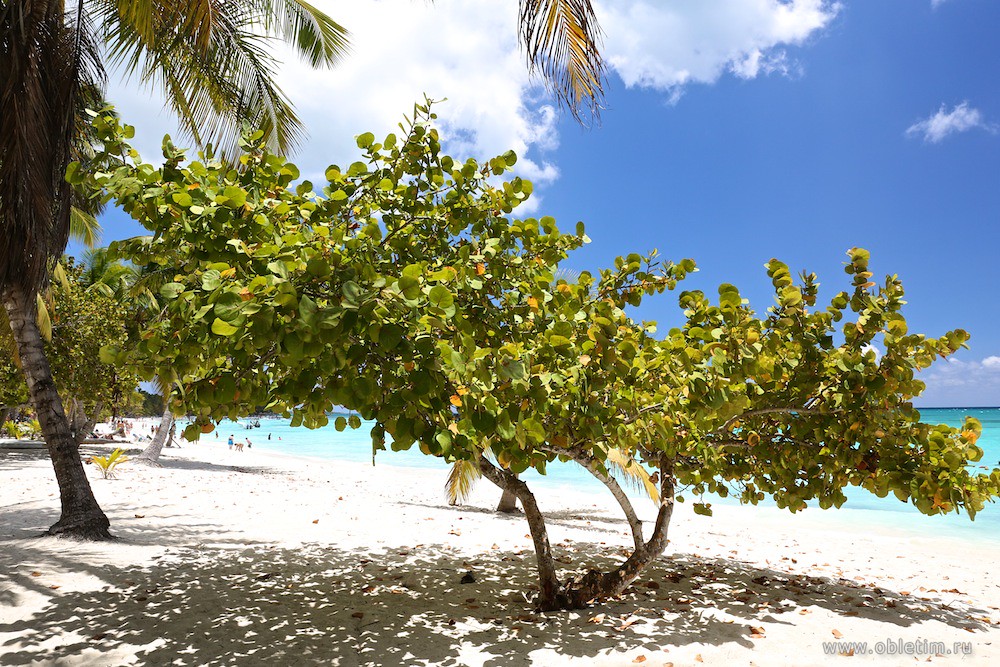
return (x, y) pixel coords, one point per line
(355, 445)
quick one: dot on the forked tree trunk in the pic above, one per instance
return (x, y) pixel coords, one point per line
(593, 584)
(81, 516)
(151, 454)
(596, 585)
(80, 423)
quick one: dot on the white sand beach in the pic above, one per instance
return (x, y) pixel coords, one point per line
(253, 558)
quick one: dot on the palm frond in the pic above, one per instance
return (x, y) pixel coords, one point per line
(60, 277)
(212, 60)
(561, 39)
(319, 39)
(630, 471)
(461, 480)
(42, 318)
(84, 227)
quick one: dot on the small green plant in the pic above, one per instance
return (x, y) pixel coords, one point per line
(107, 464)
(31, 429)
(11, 430)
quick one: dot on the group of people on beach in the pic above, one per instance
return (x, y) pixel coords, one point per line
(239, 445)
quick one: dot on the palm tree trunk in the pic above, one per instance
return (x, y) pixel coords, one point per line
(508, 503)
(81, 516)
(151, 454)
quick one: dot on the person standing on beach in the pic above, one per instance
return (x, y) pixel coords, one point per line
(230, 441)
(249, 445)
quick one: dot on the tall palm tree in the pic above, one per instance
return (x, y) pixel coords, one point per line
(210, 58)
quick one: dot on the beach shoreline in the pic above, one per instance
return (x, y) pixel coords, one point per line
(383, 543)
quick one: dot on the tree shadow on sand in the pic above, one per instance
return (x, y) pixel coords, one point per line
(323, 605)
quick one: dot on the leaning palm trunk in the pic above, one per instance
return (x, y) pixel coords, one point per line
(151, 454)
(81, 515)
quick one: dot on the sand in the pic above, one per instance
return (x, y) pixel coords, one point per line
(254, 558)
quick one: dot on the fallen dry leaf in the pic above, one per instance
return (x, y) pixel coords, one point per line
(315, 520)
(140, 516)
(358, 614)
(640, 658)
(599, 618)
(837, 633)
(629, 622)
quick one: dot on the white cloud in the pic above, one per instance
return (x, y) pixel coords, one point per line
(936, 128)
(667, 45)
(467, 51)
(937, 3)
(965, 383)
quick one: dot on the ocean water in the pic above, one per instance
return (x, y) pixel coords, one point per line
(275, 435)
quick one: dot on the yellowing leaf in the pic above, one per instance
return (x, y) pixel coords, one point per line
(456, 400)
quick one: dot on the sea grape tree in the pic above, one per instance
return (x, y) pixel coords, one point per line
(365, 295)
(733, 403)
(403, 289)
(81, 321)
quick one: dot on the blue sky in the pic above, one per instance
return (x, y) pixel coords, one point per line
(764, 129)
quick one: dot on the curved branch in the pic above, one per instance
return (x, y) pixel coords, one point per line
(549, 589)
(595, 585)
(590, 463)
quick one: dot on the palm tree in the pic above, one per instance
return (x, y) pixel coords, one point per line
(210, 59)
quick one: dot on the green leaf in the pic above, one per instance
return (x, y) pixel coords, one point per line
(236, 197)
(223, 328)
(171, 290)
(352, 294)
(211, 280)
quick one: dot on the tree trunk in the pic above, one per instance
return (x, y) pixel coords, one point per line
(151, 454)
(550, 596)
(595, 585)
(580, 591)
(616, 490)
(80, 424)
(81, 516)
(508, 502)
